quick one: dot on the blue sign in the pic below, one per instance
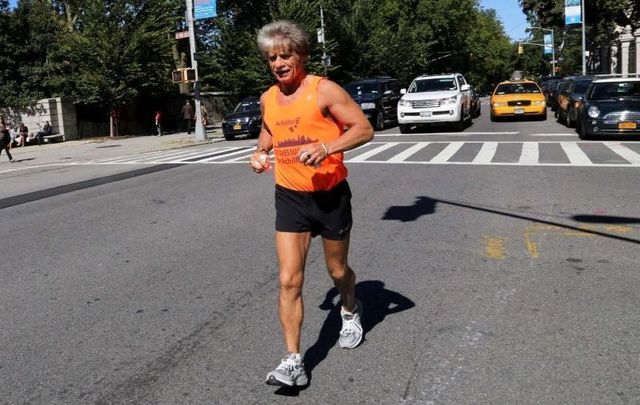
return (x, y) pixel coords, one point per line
(548, 44)
(572, 12)
(204, 9)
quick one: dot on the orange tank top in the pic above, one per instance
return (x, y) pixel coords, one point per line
(298, 124)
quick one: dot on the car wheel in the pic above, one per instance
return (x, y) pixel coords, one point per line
(493, 117)
(570, 123)
(379, 121)
(404, 128)
(478, 111)
(583, 133)
(229, 137)
(544, 116)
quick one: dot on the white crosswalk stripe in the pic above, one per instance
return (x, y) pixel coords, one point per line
(505, 153)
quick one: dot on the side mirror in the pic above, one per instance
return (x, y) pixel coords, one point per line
(403, 91)
(465, 87)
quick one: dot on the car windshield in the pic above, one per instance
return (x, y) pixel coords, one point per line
(247, 105)
(444, 84)
(362, 88)
(581, 86)
(608, 90)
(517, 88)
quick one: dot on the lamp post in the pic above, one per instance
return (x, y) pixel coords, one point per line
(553, 48)
(584, 40)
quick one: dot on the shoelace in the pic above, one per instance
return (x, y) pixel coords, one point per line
(287, 365)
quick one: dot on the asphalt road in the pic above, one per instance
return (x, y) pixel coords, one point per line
(500, 270)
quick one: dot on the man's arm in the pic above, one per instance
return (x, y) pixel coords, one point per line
(259, 160)
(336, 101)
(333, 100)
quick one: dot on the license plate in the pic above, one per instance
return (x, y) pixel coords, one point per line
(627, 125)
(518, 111)
(237, 127)
(425, 114)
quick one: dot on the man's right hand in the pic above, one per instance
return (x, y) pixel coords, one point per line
(259, 161)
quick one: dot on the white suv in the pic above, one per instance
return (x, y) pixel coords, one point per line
(435, 99)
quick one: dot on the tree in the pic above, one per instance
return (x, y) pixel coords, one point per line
(120, 51)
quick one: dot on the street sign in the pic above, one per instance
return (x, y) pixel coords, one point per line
(204, 9)
(182, 34)
(572, 12)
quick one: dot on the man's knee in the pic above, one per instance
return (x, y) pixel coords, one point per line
(340, 272)
(291, 282)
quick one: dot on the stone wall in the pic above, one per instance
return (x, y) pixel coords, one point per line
(59, 112)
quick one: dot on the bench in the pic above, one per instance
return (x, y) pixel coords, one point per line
(54, 138)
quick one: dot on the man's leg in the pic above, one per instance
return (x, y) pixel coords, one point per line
(335, 255)
(292, 252)
(291, 248)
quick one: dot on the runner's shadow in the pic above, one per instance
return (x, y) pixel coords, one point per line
(377, 301)
(406, 213)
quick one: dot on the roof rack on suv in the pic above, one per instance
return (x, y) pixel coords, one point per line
(616, 75)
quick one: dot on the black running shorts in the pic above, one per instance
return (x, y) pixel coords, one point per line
(326, 213)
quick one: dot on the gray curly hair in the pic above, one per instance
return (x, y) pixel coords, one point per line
(286, 34)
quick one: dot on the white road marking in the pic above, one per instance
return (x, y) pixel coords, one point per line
(486, 153)
(402, 156)
(375, 151)
(447, 152)
(530, 153)
(629, 155)
(446, 133)
(575, 154)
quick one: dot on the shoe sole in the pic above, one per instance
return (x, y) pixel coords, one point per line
(272, 380)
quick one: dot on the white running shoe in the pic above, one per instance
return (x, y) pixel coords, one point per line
(351, 332)
(289, 373)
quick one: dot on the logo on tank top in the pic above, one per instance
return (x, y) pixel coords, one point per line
(300, 140)
(291, 123)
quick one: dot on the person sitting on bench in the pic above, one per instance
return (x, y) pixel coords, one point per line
(46, 131)
(23, 131)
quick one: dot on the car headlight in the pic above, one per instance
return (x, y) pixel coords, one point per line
(368, 106)
(498, 104)
(404, 103)
(593, 111)
(449, 100)
(538, 102)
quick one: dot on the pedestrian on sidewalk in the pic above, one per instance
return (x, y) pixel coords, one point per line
(5, 139)
(204, 114)
(187, 115)
(304, 121)
(158, 121)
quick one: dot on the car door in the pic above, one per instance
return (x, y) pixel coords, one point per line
(390, 100)
(466, 95)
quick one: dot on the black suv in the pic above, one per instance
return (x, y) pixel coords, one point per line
(569, 99)
(378, 97)
(245, 119)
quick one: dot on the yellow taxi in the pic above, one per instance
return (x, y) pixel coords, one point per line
(515, 98)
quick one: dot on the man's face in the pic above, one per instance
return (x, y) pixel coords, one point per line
(285, 64)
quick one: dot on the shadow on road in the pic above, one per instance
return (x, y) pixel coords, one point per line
(377, 303)
(427, 205)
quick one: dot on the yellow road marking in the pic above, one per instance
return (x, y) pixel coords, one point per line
(494, 247)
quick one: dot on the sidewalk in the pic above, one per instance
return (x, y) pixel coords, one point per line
(105, 147)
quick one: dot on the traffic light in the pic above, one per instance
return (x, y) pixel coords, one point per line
(183, 75)
(520, 49)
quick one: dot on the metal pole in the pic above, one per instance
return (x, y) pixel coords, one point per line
(200, 133)
(584, 41)
(324, 52)
(553, 54)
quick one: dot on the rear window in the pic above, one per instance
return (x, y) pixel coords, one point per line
(602, 91)
(517, 88)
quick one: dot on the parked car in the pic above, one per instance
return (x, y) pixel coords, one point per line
(550, 90)
(476, 107)
(569, 101)
(245, 119)
(611, 106)
(516, 99)
(433, 99)
(378, 97)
